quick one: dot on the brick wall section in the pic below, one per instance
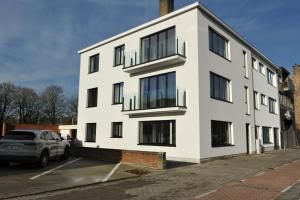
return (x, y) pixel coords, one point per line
(166, 6)
(156, 160)
(37, 126)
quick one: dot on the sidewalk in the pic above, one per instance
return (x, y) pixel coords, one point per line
(265, 185)
(184, 182)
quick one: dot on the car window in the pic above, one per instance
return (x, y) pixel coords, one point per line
(19, 135)
(49, 136)
(55, 136)
(43, 136)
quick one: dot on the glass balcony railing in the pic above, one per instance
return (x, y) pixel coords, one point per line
(152, 52)
(135, 102)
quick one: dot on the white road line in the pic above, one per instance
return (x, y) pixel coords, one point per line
(260, 174)
(243, 180)
(286, 189)
(205, 194)
(111, 172)
(47, 172)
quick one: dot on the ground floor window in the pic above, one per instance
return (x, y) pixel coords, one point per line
(266, 135)
(221, 134)
(162, 133)
(90, 132)
(116, 130)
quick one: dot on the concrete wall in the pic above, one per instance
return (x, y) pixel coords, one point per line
(211, 109)
(187, 124)
(193, 128)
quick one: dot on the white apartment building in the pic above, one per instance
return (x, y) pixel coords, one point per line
(185, 84)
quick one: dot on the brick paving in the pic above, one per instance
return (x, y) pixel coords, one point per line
(185, 181)
(265, 186)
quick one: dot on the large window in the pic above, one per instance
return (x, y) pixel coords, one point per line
(118, 93)
(92, 96)
(266, 135)
(161, 133)
(221, 134)
(263, 99)
(271, 77)
(119, 55)
(90, 132)
(116, 130)
(254, 63)
(246, 75)
(94, 63)
(261, 68)
(158, 91)
(158, 45)
(218, 44)
(256, 100)
(219, 87)
(272, 105)
(247, 101)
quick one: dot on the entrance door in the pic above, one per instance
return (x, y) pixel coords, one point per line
(276, 142)
(247, 138)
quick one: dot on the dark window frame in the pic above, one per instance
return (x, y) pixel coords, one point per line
(212, 87)
(256, 97)
(119, 61)
(169, 101)
(91, 70)
(92, 103)
(91, 138)
(156, 124)
(216, 138)
(263, 99)
(271, 108)
(212, 31)
(157, 45)
(261, 68)
(270, 79)
(266, 138)
(120, 97)
(117, 130)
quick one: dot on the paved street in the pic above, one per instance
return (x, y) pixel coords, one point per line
(25, 179)
(190, 181)
(265, 185)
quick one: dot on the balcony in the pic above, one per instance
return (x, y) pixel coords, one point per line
(149, 58)
(133, 105)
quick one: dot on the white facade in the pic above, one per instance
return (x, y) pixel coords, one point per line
(192, 66)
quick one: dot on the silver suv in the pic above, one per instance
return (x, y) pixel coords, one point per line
(32, 146)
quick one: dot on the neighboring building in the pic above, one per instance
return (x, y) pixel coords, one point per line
(296, 81)
(68, 131)
(185, 84)
(287, 114)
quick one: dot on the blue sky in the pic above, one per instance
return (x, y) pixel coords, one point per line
(39, 39)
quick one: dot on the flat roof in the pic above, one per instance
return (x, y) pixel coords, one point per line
(174, 14)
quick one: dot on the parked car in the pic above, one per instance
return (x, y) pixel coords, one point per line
(32, 146)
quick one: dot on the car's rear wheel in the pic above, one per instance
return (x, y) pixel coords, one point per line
(66, 154)
(44, 159)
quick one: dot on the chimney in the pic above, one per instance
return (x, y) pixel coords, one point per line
(166, 6)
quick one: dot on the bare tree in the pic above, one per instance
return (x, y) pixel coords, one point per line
(73, 108)
(27, 105)
(7, 91)
(53, 103)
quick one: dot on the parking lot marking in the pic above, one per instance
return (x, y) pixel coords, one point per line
(205, 194)
(260, 174)
(111, 172)
(286, 189)
(47, 172)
